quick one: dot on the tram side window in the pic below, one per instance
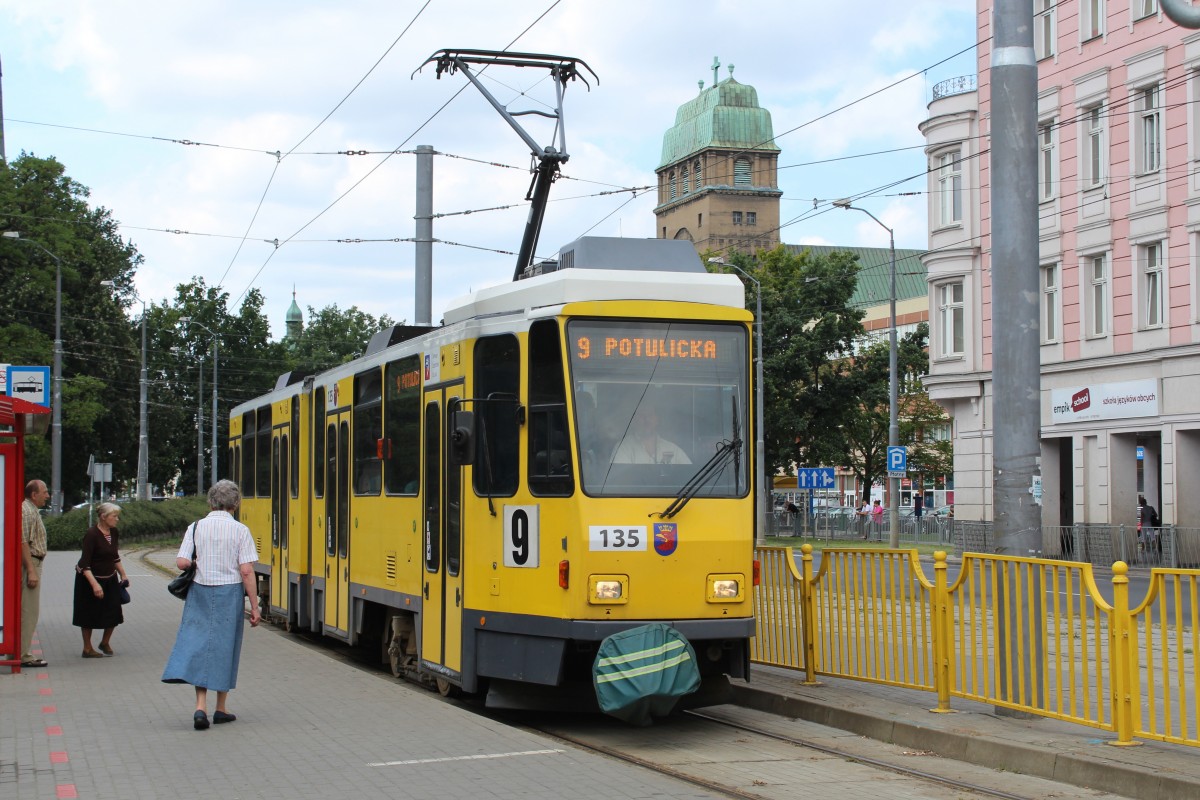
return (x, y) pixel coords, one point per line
(550, 472)
(262, 455)
(368, 433)
(247, 481)
(402, 427)
(497, 384)
(294, 454)
(318, 443)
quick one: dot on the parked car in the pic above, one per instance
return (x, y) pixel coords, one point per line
(943, 512)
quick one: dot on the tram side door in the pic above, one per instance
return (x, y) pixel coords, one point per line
(441, 617)
(337, 523)
(280, 512)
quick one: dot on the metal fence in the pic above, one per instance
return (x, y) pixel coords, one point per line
(1098, 545)
(1025, 633)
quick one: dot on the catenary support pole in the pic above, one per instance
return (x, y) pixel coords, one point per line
(1016, 359)
(423, 302)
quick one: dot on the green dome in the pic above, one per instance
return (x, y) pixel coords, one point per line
(293, 313)
(726, 115)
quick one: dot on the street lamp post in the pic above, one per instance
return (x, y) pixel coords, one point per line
(143, 466)
(56, 498)
(216, 358)
(760, 457)
(893, 385)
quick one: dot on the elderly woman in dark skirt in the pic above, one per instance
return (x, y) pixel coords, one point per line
(99, 576)
(208, 645)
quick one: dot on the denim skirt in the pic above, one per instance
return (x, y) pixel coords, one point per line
(208, 645)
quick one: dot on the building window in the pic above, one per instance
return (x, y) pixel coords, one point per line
(671, 179)
(687, 181)
(1092, 22)
(737, 218)
(742, 173)
(1093, 146)
(1044, 28)
(949, 188)
(950, 319)
(699, 220)
(1098, 307)
(698, 175)
(1152, 263)
(1046, 161)
(1144, 8)
(1149, 130)
(1050, 303)
(751, 217)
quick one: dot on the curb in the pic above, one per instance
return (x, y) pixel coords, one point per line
(1029, 758)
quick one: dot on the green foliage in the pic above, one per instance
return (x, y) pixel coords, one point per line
(333, 336)
(139, 521)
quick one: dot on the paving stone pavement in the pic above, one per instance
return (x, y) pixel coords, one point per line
(308, 726)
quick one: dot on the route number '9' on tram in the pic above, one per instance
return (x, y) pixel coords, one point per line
(488, 502)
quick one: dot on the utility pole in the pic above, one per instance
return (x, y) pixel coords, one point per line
(423, 302)
(1016, 339)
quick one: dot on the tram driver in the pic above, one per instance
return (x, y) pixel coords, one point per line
(642, 444)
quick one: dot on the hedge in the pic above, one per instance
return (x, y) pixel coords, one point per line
(140, 520)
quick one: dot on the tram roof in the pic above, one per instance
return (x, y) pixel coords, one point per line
(599, 268)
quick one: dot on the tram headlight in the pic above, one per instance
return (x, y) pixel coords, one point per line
(725, 588)
(608, 589)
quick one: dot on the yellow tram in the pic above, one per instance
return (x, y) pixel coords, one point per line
(566, 457)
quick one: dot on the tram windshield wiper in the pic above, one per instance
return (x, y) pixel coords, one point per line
(728, 449)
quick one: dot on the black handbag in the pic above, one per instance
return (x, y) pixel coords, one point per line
(182, 583)
(124, 592)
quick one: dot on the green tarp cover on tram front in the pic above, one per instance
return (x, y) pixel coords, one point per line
(642, 672)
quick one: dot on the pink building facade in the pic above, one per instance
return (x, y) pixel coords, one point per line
(1118, 138)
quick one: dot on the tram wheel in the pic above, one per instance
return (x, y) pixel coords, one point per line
(447, 689)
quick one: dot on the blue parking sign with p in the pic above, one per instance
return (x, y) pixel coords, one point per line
(897, 458)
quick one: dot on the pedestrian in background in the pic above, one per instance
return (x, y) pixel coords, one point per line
(208, 646)
(99, 576)
(33, 550)
(918, 505)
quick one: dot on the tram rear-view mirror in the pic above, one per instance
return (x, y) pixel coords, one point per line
(462, 438)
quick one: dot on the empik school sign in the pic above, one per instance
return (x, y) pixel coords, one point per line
(1104, 401)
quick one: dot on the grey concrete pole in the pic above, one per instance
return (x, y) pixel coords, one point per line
(200, 433)
(1016, 340)
(423, 302)
(1181, 14)
(1016, 366)
(143, 468)
(212, 478)
(56, 495)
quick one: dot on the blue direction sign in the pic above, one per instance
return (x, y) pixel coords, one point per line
(30, 383)
(815, 478)
(897, 460)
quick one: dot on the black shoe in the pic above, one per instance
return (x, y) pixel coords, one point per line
(200, 721)
(221, 716)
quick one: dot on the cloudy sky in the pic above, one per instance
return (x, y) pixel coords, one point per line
(214, 130)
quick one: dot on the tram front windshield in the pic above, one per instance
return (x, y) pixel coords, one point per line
(655, 402)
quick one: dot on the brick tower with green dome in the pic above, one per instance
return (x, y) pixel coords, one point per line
(294, 321)
(718, 181)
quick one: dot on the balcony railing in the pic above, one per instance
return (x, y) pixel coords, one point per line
(953, 86)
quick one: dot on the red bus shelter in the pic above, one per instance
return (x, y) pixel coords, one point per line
(18, 418)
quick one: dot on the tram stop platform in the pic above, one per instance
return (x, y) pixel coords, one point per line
(313, 726)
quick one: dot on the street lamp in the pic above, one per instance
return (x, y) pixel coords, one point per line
(893, 384)
(186, 321)
(143, 467)
(760, 457)
(56, 498)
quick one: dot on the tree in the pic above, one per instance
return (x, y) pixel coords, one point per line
(808, 327)
(333, 336)
(48, 208)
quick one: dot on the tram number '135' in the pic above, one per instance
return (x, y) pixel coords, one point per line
(521, 536)
(608, 537)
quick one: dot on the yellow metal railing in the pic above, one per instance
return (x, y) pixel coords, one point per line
(1024, 633)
